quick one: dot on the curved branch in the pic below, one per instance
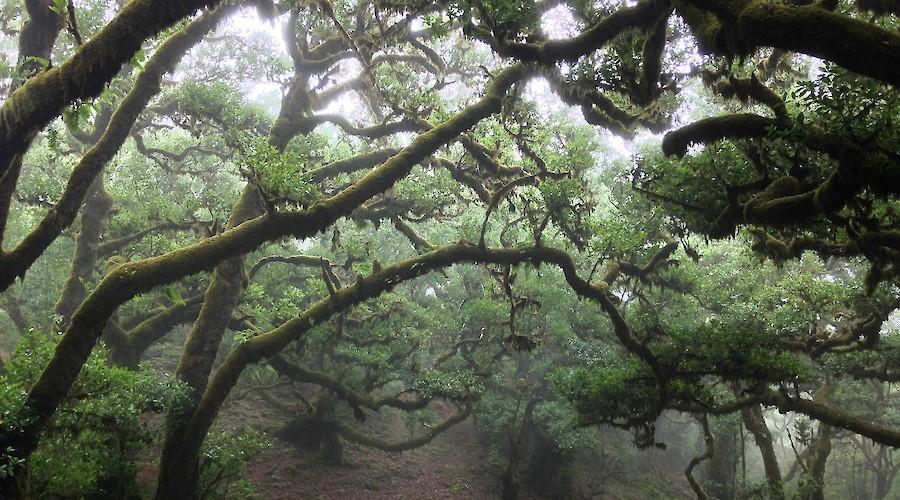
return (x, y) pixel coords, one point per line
(735, 126)
(41, 99)
(350, 165)
(112, 246)
(297, 260)
(354, 398)
(16, 262)
(642, 16)
(350, 434)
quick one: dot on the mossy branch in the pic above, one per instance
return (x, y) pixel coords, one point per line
(355, 436)
(42, 98)
(354, 398)
(740, 27)
(16, 262)
(133, 278)
(734, 126)
(642, 16)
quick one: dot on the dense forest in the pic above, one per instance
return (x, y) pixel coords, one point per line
(509, 249)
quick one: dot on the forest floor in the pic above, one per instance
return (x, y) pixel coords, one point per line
(455, 465)
(452, 466)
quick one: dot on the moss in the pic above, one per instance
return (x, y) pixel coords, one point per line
(734, 126)
(857, 45)
(93, 162)
(35, 104)
(779, 188)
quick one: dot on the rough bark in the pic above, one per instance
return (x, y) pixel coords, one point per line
(41, 99)
(16, 262)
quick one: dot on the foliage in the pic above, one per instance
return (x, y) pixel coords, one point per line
(91, 447)
(223, 464)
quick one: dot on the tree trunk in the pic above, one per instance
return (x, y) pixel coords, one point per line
(179, 472)
(756, 424)
(84, 260)
(813, 482)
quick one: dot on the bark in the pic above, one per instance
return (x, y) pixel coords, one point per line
(15, 263)
(42, 98)
(642, 16)
(756, 424)
(37, 37)
(36, 42)
(179, 472)
(13, 308)
(736, 126)
(84, 260)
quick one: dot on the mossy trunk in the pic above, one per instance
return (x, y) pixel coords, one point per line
(755, 422)
(84, 260)
(812, 484)
(179, 473)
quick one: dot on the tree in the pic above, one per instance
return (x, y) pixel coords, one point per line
(442, 154)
